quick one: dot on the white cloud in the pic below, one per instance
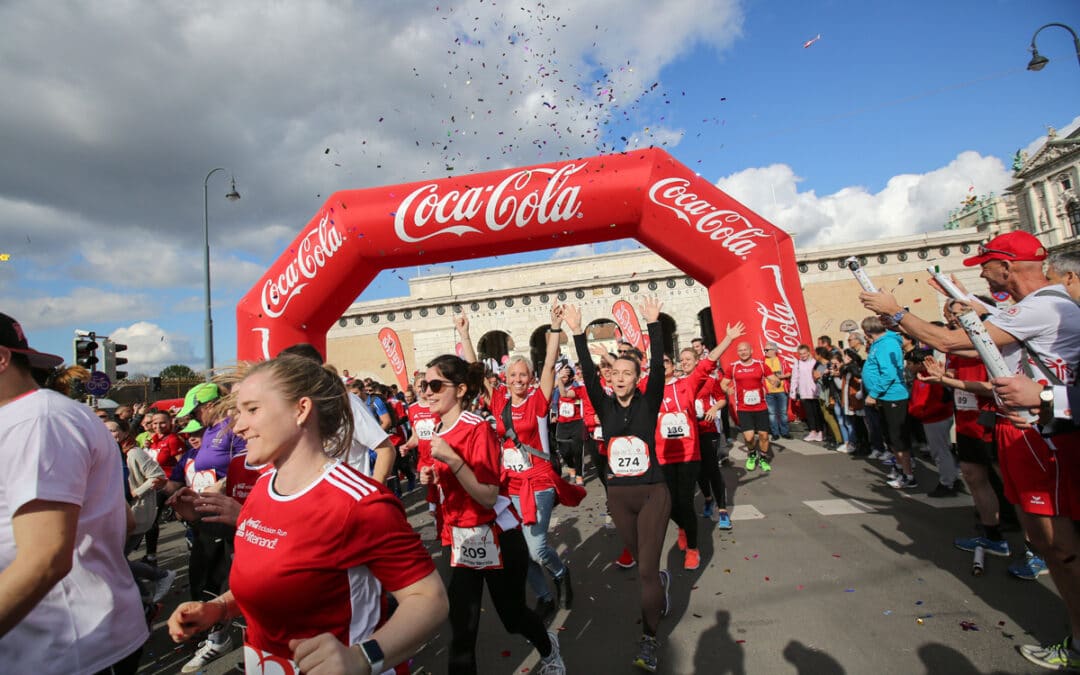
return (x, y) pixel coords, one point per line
(909, 203)
(573, 251)
(151, 348)
(83, 306)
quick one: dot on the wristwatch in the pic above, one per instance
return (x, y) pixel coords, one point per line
(1046, 401)
(374, 655)
(899, 316)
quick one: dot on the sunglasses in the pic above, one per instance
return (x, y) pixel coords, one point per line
(434, 385)
(983, 250)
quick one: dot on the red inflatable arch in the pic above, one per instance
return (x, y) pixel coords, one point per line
(747, 264)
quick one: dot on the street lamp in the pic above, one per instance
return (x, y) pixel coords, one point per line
(1038, 61)
(232, 196)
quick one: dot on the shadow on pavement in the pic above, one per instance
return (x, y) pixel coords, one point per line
(809, 661)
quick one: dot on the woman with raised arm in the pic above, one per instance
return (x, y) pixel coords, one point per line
(479, 525)
(318, 542)
(638, 495)
(531, 481)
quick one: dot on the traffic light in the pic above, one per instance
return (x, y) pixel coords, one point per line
(86, 350)
(111, 360)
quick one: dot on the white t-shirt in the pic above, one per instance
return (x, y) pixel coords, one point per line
(54, 449)
(1050, 325)
(367, 435)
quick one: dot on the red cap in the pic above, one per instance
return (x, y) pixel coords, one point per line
(12, 337)
(1016, 246)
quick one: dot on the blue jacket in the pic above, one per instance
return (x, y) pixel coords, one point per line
(883, 372)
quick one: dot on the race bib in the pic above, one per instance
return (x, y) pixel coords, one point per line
(514, 460)
(475, 547)
(425, 429)
(965, 400)
(674, 425)
(751, 397)
(203, 479)
(598, 433)
(567, 409)
(699, 409)
(628, 456)
(258, 662)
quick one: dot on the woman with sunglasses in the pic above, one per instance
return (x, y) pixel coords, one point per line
(479, 524)
(532, 482)
(638, 495)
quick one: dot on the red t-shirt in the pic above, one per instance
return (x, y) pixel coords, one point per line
(319, 561)
(166, 451)
(570, 404)
(676, 433)
(708, 395)
(966, 404)
(929, 403)
(750, 385)
(423, 422)
(474, 440)
(530, 422)
(240, 478)
(397, 432)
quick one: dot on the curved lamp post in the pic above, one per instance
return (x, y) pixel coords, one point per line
(1038, 61)
(232, 196)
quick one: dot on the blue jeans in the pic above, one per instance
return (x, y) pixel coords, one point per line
(844, 422)
(536, 539)
(778, 409)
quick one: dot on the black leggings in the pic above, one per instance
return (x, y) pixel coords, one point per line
(682, 481)
(211, 560)
(640, 513)
(129, 665)
(894, 420)
(507, 589)
(599, 462)
(710, 480)
(155, 528)
(570, 437)
(812, 408)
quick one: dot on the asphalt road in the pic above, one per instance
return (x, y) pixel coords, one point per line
(827, 571)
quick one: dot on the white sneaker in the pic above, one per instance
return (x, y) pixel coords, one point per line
(553, 663)
(843, 448)
(875, 454)
(887, 456)
(162, 585)
(893, 474)
(207, 652)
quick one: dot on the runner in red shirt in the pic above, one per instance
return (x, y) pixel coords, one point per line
(318, 543)
(165, 447)
(481, 527)
(747, 388)
(423, 422)
(570, 425)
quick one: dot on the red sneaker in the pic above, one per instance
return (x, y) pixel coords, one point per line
(626, 560)
(693, 559)
(682, 539)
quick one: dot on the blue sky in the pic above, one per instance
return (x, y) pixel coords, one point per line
(114, 116)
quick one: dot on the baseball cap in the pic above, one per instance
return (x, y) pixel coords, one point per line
(12, 337)
(197, 395)
(1016, 246)
(770, 345)
(191, 427)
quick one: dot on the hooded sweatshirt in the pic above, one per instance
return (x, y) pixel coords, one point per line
(883, 372)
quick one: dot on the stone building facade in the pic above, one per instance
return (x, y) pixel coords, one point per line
(1047, 191)
(508, 306)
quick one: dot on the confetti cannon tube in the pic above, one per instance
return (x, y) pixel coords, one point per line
(947, 284)
(988, 351)
(978, 561)
(860, 275)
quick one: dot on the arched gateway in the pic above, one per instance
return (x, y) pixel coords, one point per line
(747, 264)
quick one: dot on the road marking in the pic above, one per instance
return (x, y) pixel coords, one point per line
(961, 499)
(804, 448)
(838, 507)
(746, 512)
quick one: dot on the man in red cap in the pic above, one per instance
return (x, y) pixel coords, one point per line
(63, 608)
(1039, 336)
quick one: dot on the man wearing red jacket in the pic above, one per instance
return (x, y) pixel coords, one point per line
(932, 406)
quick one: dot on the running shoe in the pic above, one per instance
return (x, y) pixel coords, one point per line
(681, 539)
(904, 483)
(665, 583)
(693, 559)
(707, 512)
(626, 560)
(751, 461)
(162, 585)
(552, 664)
(723, 521)
(999, 548)
(646, 658)
(1060, 656)
(764, 464)
(889, 459)
(1030, 568)
(844, 449)
(893, 474)
(941, 490)
(207, 652)
(876, 454)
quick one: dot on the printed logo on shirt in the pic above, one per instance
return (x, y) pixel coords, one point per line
(252, 531)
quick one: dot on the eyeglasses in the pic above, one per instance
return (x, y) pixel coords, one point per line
(434, 385)
(770, 349)
(983, 250)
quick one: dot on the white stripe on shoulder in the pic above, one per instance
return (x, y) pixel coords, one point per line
(344, 487)
(350, 476)
(471, 418)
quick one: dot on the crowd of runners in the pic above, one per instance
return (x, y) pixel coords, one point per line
(289, 477)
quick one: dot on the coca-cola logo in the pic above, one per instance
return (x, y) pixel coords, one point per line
(316, 248)
(389, 345)
(522, 197)
(730, 228)
(778, 321)
(624, 316)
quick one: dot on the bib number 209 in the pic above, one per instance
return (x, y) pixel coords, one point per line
(475, 547)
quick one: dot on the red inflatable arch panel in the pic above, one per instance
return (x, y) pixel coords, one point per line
(747, 264)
